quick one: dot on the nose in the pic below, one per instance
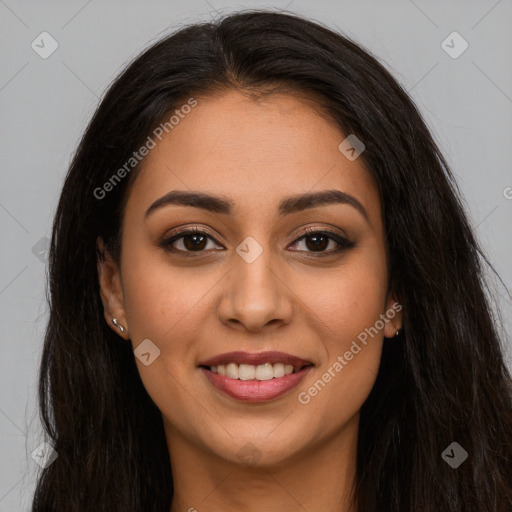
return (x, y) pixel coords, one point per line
(255, 295)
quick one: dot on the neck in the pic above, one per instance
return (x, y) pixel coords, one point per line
(320, 478)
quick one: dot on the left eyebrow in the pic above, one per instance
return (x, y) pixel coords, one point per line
(288, 205)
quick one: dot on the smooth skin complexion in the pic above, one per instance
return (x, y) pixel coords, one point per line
(299, 296)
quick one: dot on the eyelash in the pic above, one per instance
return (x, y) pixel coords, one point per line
(343, 243)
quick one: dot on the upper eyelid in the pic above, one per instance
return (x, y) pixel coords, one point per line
(329, 228)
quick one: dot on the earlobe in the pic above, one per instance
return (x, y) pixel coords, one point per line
(111, 291)
(393, 316)
(115, 321)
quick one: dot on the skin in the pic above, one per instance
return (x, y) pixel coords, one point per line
(256, 152)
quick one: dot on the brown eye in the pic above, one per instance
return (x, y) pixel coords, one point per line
(191, 240)
(194, 242)
(319, 241)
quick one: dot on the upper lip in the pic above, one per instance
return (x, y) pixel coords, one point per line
(256, 359)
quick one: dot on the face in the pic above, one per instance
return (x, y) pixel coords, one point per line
(266, 273)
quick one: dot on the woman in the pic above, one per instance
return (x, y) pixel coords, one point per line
(265, 294)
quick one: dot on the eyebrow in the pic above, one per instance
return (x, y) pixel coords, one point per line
(287, 206)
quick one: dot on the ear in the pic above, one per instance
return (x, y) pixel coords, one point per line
(393, 314)
(111, 290)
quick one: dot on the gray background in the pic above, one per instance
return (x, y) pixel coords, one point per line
(45, 105)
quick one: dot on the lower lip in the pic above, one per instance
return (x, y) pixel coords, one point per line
(256, 390)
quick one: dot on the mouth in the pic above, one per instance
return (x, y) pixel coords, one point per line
(255, 377)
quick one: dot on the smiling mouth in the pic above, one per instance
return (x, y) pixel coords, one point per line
(261, 372)
(255, 383)
(255, 376)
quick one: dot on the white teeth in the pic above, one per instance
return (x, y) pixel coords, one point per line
(232, 370)
(265, 371)
(246, 372)
(279, 370)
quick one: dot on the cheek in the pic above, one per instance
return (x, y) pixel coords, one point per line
(348, 312)
(163, 305)
(161, 300)
(348, 300)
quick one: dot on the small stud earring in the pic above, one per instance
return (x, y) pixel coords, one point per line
(117, 324)
(397, 333)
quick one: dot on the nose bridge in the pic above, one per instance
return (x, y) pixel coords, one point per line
(256, 294)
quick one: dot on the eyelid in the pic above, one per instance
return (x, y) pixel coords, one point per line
(322, 229)
(180, 230)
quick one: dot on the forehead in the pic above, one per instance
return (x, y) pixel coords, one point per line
(255, 151)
